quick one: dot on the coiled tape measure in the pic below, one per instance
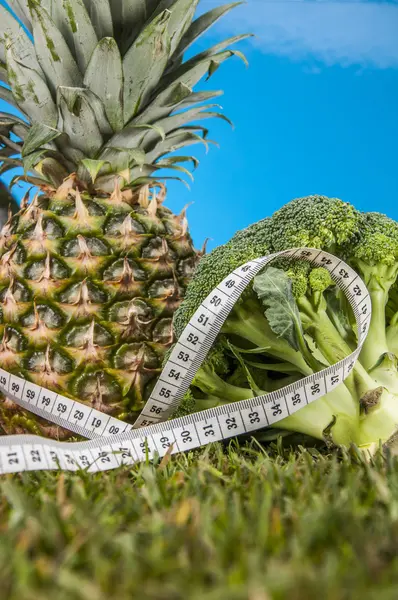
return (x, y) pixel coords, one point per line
(113, 442)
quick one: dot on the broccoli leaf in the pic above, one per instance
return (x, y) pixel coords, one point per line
(274, 289)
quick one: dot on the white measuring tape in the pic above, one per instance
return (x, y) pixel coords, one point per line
(113, 442)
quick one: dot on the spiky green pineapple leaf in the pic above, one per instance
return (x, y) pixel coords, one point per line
(159, 108)
(200, 26)
(10, 144)
(182, 13)
(137, 156)
(30, 161)
(79, 120)
(129, 17)
(128, 156)
(104, 77)
(241, 55)
(12, 33)
(77, 97)
(100, 16)
(52, 170)
(20, 131)
(56, 12)
(7, 164)
(121, 160)
(171, 160)
(39, 135)
(81, 30)
(144, 63)
(8, 152)
(169, 165)
(99, 111)
(149, 179)
(176, 121)
(93, 167)
(176, 141)
(13, 124)
(7, 95)
(52, 50)
(21, 9)
(36, 181)
(198, 97)
(214, 54)
(10, 119)
(156, 127)
(73, 155)
(3, 73)
(179, 88)
(31, 92)
(132, 137)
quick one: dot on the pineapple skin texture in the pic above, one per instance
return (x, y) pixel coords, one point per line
(88, 288)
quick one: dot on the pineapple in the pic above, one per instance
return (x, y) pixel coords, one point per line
(93, 268)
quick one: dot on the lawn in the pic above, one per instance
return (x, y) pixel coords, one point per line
(227, 522)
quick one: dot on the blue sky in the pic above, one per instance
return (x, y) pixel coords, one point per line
(316, 112)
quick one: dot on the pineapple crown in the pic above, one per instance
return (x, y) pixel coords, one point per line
(102, 88)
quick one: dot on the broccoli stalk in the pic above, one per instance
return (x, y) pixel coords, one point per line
(378, 280)
(316, 321)
(392, 335)
(341, 315)
(209, 382)
(247, 321)
(385, 372)
(336, 411)
(378, 422)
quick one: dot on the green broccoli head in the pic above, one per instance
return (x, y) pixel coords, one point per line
(314, 222)
(378, 241)
(254, 241)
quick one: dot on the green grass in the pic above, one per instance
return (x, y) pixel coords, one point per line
(221, 523)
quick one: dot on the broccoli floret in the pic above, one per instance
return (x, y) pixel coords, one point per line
(187, 405)
(314, 222)
(319, 280)
(292, 320)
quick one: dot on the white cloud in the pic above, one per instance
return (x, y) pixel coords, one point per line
(348, 33)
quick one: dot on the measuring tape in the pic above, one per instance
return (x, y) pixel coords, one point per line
(113, 442)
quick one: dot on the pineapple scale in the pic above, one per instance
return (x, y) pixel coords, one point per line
(88, 288)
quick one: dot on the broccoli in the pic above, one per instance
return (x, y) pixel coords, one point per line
(293, 321)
